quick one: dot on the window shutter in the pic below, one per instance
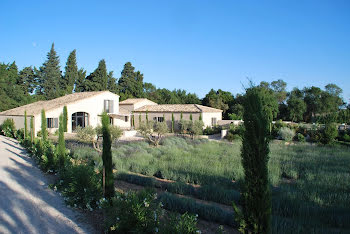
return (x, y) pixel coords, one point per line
(111, 106)
(105, 105)
(56, 122)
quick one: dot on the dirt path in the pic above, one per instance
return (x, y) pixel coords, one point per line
(27, 205)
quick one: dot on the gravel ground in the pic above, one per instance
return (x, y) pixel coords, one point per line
(27, 204)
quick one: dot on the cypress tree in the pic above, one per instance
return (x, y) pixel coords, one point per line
(71, 73)
(25, 125)
(133, 121)
(200, 117)
(181, 116)
(147, 116)
(65, 119)
(256, 197)
(51, 75)
(61, 150)
(139, 119)
(43, 125)
(172, 123)
(31, 129)
(107, 158)
(191, 117)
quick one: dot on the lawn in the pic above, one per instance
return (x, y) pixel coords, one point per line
(310, 183)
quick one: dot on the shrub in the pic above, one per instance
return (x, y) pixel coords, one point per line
(8, 128)
(212, 130)
(346, 137)
(179, 224)
(286, 134)
(231, 137)
(86, 134)
(134, 212)
(116, 132)
(329, 133)
(300, 137)
(81, 186)
(19, 134)
(276, 127)
(196, 128)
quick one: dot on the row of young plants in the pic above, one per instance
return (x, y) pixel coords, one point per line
(81, 186)
(212, 193)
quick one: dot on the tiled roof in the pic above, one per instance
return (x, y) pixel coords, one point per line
(192, 108)
(36, 107)
(133, 101)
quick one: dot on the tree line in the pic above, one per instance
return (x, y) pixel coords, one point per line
(48, 82)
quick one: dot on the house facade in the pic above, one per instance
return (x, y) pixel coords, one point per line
(84, 109)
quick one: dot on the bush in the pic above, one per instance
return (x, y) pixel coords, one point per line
(8, 128)
(276, 128)
(81, 186)
(86, 134)
(134, 213)
(346, 137)
(329, 133)
(179, 224)
(19, 134)
(286, 134)
(231, 137)
(300, 137)
(212, 130)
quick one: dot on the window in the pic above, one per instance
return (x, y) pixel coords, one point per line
(160, 119)
(52, 122)
(126, 118)
(213, 121)
(80, 119)
(108, 106)
(111, 121)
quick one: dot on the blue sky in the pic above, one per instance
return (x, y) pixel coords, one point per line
(192, 45)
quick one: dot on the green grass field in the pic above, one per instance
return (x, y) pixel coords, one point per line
(310, 183)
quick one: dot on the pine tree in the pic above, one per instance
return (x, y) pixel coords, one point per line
(80, 81)
(61, 149)
(130, 84)
(71, 73)
(51, 75)
(43, 125)
(107, 158)
(256, 197)
(31, 129)
(25, 125)
(112, 83)
(97, 81)
(65, 119)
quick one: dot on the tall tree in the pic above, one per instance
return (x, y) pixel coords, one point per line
(296, 105)
(71, 73)
(43, 126)
(80, 81)
(61, 148)
(51, 75)
(256, 202)
(112, 83)
(97, 81)
(27, 80)
(107, 158)
(130, 84)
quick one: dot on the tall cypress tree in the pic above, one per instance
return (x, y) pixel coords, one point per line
(107, 157)
(61, 149)
(256, 197)
(25, 125)
(65, 119)
(43, 125)
(97, 81)
(172, 123)
(51, 75)
(71, 73)
(31, 129)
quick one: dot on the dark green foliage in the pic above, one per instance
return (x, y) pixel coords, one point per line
(61, 148)
(97, 81)
(200, 117)
(25, 125)
(296, 106)
(8, 128)
(71, 74)
(81, 186)
(44, 132)
(300, 137)
(191, 118)
(172, 123)
(329, 133)
(256, 197)
(112, 83)
(179, 224)
(80, 81)
(206, 212)
(65, 119)
(130, 84)
(219, 99)
(134, 213)
(212, 130)
(146, 116)
(50, 75)
(32, 136)
(107, 157)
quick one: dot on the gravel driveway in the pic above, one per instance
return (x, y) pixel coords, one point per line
(27, 205)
